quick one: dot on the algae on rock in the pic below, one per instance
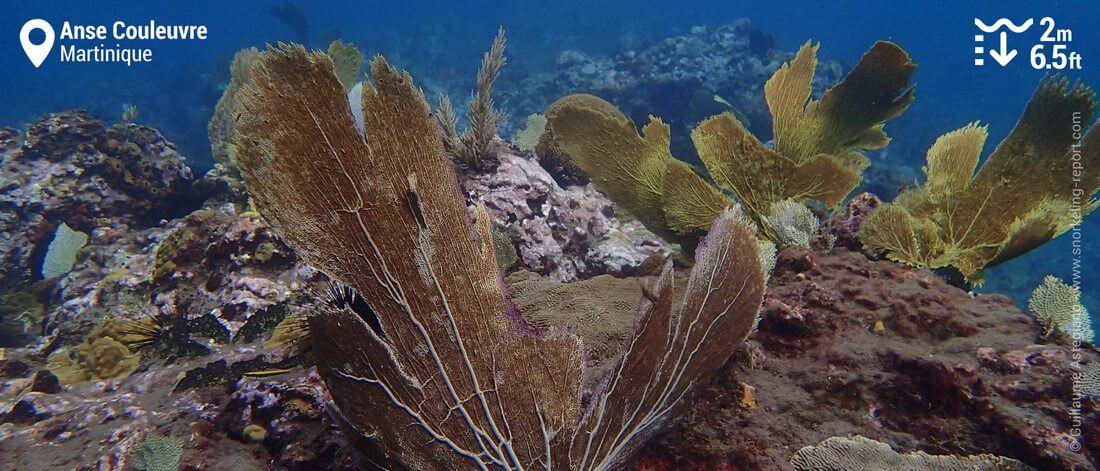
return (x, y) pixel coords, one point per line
(1037, 184)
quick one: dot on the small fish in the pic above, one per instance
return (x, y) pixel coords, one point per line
(266, 373)
(722, 101)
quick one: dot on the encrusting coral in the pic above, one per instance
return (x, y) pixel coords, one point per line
(469, 147)
(816, 153)
(437, 370)
(1057, 306)
(103, 355)
(158, 453)
(1038, 183)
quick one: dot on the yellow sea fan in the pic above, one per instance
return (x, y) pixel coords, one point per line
(1036, 185)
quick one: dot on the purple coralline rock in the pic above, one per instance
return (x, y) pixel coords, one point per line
(71, 168)
(217, 260)
(566, 233)
(845, 222)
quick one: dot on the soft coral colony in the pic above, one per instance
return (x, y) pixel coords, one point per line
(437, 369)
(1037, 184)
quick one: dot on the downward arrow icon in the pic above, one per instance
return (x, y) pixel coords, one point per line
(1004, 56)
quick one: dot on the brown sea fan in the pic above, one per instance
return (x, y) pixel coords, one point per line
(440, 371)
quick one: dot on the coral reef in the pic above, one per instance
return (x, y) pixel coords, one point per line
(555, 332)
(862, 453)
(71, 168)
(848, 346)
(815, 154)
(380, 363)
(1038, 183)
(565, 233)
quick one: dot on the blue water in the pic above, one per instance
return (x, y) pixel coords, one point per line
(441, 43)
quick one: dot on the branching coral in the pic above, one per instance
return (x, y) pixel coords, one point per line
(1057, 306)
(1038, 183)
(816, 154)
(437, 370)
(469, 147)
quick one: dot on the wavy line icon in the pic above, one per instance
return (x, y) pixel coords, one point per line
(1003, 22)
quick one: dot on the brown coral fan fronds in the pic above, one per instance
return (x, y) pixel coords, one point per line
(1035, 186)
(636, 171)
(438, 370)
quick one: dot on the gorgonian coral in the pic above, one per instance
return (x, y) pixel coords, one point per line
(816, 153)
(1038, 183)
(437, 369)
(1057, 306)
(469, 147)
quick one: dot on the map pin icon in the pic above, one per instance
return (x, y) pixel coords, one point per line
(37, 53)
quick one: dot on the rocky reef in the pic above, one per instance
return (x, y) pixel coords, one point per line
(850, 346)
(71, 168)
(149, 351)
(564, 233)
